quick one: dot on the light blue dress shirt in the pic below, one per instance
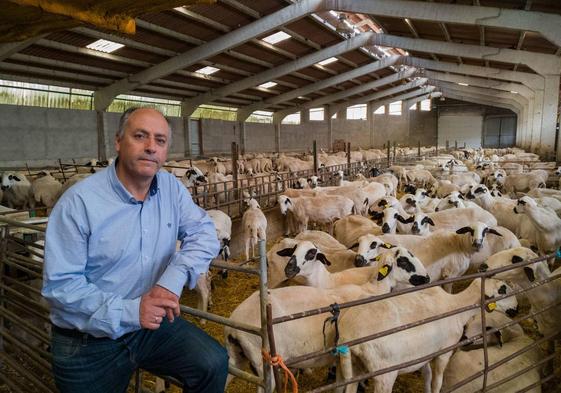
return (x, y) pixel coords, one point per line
(104, 250)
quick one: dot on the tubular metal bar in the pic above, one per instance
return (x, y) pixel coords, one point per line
(25, 373)
(371, 299)
(500, 363)
(21, 284)
(539, 383)
(298, 359)
(35, 332)
(10, 383)
(26, 308)
(234, 267)
(245, 376)
(264, 300)
(521, 372)
(25, 298)
(17, 265)
(221, 320)
(16, 223)
(484, 328)
(41, 362)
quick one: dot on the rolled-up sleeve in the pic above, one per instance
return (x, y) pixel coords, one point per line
(199, 245)
(83, 305)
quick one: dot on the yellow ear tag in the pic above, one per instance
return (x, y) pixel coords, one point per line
(377, 258)
(388, 245)
(383, 271)
(492, 306)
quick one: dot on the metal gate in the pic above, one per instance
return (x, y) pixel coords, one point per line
(499, 131)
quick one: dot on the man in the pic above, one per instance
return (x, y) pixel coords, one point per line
(113, 278)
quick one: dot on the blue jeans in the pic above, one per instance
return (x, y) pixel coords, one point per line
(85, 364)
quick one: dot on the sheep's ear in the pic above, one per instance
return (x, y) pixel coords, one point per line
(517, 259)
(494, 232)
(321, 257)
(499, 337)
(286, 252)
(429, 221)
(530, 274)
(287, 201)
(353, 246)
(16, 178)
(309, 180)
(502, 289)
(403, 220)
(461, 197)
(377, 215)
(463, 230)
(384, 272)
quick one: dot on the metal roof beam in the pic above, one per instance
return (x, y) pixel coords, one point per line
(423, 92)
(314, 87)
(478, 99)
(349, 92)
(523, 102)
(480, 82)
(407, 104)
(271, 74)
(381, 94)
(541, 63)
(7, 50)
(533, 81)
(548, 25)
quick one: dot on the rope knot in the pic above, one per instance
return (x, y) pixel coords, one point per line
(277, 361)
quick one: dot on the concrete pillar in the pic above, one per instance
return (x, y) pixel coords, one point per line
(534, 139)
(329, 120)
(241, 126)
(304, 116)
(277, 136)
(549, 117)
(370, 119)
(187, 136)
(101, 142)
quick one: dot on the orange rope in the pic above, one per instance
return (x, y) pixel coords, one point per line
(276, 361)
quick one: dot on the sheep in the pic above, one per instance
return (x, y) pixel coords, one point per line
(448, 219)
(547, 224)
(323, 240)
(192, 177)
(420, 177)
(350, 228)
(17, 190)
(441, 188)
(340, 258)
(425, 339)
(301, 336)
(223, 225)
(254, 224)
(453, 200)
(323, 209)
(392, 221)
(389, 182)
(46, 189)
(525, 181)
(315, 274)
(409, 203)
(445, 254)
(464, 364)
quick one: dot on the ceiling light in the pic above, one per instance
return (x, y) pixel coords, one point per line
(208, 70)
(462, 84)
(328, 61)
(514, 92)
(302, 97)
(104, 46)
(267, 85)
(277, 37)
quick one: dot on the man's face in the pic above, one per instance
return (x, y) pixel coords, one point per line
(143, 148)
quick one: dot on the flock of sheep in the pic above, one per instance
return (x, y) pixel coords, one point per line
(456, 213)
(436, 218)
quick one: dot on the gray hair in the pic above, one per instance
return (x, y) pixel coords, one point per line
(125, 118)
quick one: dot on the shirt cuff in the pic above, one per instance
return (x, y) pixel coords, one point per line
(131, 312)
(173, 280)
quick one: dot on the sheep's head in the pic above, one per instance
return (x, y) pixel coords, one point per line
(253, 204)
(300, 183)
(404, 268)
(9, 179)
(421, 224)
(285, 203)
(514, 256)
(478, 191)
(409, 200)
(523, 203)
(225, 248)
(303, 258)
(368, 247)
(313, 181)
(477, 232)
(558, 171)
(453, 200)
(390, 218)
(497, 288)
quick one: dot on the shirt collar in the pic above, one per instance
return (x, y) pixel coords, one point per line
(120, 189)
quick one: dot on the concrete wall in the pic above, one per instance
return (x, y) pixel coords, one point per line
(40, 136)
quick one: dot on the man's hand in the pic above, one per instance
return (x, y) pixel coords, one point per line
(163, 293)
(155, 305)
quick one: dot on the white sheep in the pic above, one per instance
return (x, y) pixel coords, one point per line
(301, 336)
(350, 228)
(223, 224)
(17, 190)
(448, 219)
(546, 223)
(525, 181)
(413, 343)
(254, 226)
(321, 209)
(46, 189)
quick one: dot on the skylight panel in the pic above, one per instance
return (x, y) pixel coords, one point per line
(208, 70)
(105, 46)
(462, 84)
(328, 61)
(267, 85)
(277, 37)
